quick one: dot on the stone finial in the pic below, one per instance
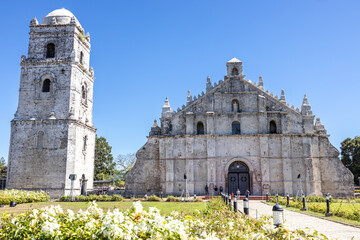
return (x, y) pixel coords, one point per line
(23, 58)
(208, 84)
(319, 127)
(91, 70)
(52, 115)
(166, 109)
(189, 98)
(73, 20)
(166, 104)
(155, 123)
(282, 97)
(261, 83)
(34, 22)
(155, 129)
(306, 107)
(88, 36)
(53, 21)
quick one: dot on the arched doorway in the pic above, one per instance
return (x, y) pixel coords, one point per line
(238, 178)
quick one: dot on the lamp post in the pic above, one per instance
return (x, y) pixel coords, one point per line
(161, 195)
(246, 206)
(267, 197)
(72, 177)
(287, 200)
(226, 199)
(303, 200)
(278, 213)
(328, 213)
(230, 202)
(235, 205)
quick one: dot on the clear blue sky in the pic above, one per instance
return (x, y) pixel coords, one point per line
(144, 51)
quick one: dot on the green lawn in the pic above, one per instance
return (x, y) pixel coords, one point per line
(165, 207)
(345, 206)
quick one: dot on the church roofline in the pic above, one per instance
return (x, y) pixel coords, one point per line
(242, 78)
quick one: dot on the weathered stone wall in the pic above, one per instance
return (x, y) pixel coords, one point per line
(144, 177)
(296, 157)
(52, 134)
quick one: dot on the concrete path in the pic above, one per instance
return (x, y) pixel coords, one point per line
(301, 221)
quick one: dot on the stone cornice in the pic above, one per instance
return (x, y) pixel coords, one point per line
(29, 62)
(236, 113)
(50, 121)
(280, 135)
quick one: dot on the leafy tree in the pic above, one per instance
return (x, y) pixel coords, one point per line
(3, 168)
(124, 163)
(104, 160)
(350, 156)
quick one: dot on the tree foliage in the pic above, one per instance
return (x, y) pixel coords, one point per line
(3, 168)
(104, 160)
(350, 156)
(124, 162)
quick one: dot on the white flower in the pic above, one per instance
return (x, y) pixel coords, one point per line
(137, 207)
(174, 214)
(50, 227)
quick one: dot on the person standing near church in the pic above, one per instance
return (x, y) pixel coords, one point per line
(247, 193)
(238, 194)
(216, 190)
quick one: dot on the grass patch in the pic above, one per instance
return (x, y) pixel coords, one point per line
(333, 207)
(164, 207)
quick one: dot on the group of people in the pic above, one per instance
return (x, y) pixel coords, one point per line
(216, 192)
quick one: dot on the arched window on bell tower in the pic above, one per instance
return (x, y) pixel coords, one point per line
(235, 106)
(235, 71)
(200, 128)
(81, 57)
(40, 139)
(84, 94)
(50, 50)
(235, 128)
(85, 143)
(46, 85)
(272, 126)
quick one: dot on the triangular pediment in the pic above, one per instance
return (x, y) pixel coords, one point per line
(198, 103)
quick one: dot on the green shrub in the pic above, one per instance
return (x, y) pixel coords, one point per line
(197, 200)
(171, 199)
(153, 198)
(90, 198)
(22, 196)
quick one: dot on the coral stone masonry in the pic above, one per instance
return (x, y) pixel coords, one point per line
(52, 133)
(239, 137)
(236, 136)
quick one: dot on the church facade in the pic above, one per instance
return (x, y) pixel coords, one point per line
(52, 133)
(239, 136)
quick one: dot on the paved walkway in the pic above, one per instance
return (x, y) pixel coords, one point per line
(296, 220)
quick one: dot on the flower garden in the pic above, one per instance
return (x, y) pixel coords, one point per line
(20, 196)
(214, 221)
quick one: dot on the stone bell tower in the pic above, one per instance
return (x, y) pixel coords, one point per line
(52, 134)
